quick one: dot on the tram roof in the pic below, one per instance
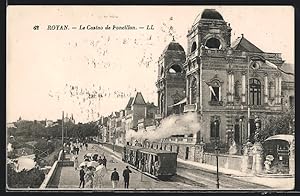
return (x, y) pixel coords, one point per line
(156, 151)
(284, 137)
(134, 147)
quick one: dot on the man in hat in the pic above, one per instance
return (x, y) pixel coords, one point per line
(126, 173)
(81, 177)
(114, 178)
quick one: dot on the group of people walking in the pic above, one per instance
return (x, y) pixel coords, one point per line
(92, 177)
(115, 177)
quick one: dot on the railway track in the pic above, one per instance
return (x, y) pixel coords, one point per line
(209, 178)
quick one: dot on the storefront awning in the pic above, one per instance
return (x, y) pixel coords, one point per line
(178, 103)
(284, 137)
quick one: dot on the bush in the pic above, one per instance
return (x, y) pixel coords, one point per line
(24, 179)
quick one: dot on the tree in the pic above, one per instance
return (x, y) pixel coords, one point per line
(280, 124)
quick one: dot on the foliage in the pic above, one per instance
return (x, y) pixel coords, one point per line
(24, 179)
(30, 130)
(280, 124)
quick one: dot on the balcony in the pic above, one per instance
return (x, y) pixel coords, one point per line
(190, 108)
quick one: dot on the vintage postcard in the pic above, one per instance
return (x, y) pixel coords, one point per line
(144, 98)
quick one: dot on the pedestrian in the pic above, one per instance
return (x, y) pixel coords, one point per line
(80, 145)
(114, 178)
(99, 175)
(104, 161)
(76, 163)
(89, 177)
(156, 167)
(100, 160)
(86, 146)
(81, 177)
(77, 150)
(126, 173)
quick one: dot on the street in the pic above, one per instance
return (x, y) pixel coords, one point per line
(188, 177)
(69, 178)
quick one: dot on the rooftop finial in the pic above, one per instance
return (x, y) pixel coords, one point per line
(173, 38)
(242, 35)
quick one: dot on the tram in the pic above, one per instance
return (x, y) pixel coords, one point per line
(161, 164)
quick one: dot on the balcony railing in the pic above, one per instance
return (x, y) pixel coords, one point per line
(190, 108)
(182, 139)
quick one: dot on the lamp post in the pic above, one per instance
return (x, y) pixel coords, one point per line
(114, 140)
(62, 133)
(241, 132)
(248, 99)
(217, 154)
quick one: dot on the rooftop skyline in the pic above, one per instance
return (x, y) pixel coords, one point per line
(91, 72)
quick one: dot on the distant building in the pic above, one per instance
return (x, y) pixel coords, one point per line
(49, 123)
(69, 119)
(10, 125)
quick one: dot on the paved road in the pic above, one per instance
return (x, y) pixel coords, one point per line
(209, 178)
(69, 178)
(189, 177)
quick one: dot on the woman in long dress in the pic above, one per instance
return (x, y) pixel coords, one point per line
(89, 178)
(76, 163)
(99, 175)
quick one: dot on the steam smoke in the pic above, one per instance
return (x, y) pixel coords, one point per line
(172, 125)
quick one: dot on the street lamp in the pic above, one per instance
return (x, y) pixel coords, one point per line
(114, 139)
(248, 99)
(217, 154)
(241, 132)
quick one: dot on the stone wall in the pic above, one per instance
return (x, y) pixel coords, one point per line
(233, 162)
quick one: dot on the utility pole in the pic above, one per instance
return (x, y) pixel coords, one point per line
(62, 131)
(217, 154)
(248, 101)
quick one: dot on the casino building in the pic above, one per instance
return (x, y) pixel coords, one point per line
(219, 80)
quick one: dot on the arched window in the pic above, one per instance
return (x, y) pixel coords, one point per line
(255, 92)
(193, 91)
(213, 43)
(175, 69)
(215, 128)
(194, 46)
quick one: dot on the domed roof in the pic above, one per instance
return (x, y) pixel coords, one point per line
(211, 14)
(174, 46)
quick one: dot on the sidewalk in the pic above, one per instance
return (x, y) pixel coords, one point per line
(274, 183)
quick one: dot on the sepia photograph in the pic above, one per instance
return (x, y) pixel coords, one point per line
(150, 98)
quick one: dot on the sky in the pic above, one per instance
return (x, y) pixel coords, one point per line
(89, 73)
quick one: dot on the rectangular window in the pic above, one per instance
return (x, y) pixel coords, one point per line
(215, 129)
(216, 97)
(292, 101)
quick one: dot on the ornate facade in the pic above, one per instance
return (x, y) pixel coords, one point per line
(228, 84)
